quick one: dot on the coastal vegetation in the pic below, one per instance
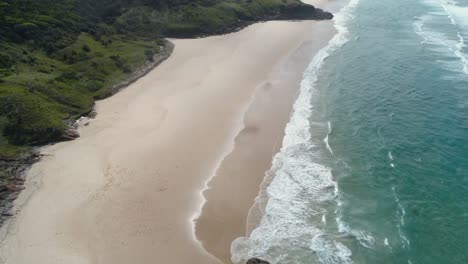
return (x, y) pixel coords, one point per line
(58, 57)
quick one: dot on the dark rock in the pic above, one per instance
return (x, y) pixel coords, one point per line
(12, 197)
(257, 261)
(70, 134)
(4, 195)
(12, 188)
(7, 214)
(92, 114)
(8, 207)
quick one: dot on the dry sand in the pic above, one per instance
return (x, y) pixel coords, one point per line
(129, 189)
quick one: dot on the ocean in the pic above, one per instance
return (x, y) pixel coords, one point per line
(374, 164)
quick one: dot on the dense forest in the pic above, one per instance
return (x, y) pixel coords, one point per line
(58, 57)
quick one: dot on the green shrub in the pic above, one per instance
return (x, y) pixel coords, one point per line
(30, 120)
(149, 55)
(86, 48)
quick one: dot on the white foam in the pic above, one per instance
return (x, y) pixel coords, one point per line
(391, 158)
(298, 187)
(441, 42)
(364, 238)
(325, 140)
(386, 242)
(402, 214)
(329, 251)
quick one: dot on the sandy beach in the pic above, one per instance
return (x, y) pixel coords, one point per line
(189, 141)
(232, 191)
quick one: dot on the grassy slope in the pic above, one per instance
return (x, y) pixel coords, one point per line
(42, 91)
(58, 57)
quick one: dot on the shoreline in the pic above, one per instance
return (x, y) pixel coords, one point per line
(243, 169)
(101, 186)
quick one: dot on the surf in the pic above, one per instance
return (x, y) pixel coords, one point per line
(298, 187)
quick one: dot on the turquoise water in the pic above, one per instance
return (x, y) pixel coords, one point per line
(374, 165)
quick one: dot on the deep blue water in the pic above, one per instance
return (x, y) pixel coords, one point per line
(374, 165)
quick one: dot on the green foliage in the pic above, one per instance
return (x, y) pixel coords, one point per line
(48, 24)
(141, 21)
(149, 54)
(86, 48)
(57, 57)
(29, 118)
(37, 98)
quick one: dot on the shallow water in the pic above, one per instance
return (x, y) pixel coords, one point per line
(374, 165)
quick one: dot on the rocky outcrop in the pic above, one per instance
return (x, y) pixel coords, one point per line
(12, 180)
(257, 261)
(70, 134)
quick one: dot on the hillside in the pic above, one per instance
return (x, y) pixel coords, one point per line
(58, 57)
